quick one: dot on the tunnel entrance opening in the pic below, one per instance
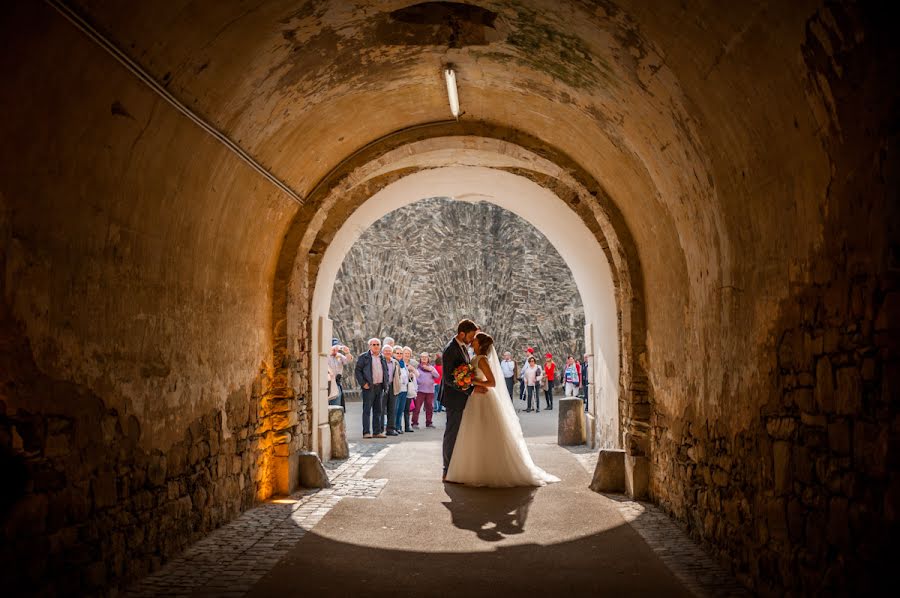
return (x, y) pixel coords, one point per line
(418, 270)
(552, 198)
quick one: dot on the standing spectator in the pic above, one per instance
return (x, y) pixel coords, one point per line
(572, 377)
(403, 385)
(411, 387)
(585, 381)
(426, 376)
(510, 369)
(339, 356)
(389, 401)
(531, 377)
(529, 353)
(371, 375)
(548, 379)
(388, 341)
(439, 366)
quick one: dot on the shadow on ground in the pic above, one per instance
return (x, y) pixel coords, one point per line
(614, 560)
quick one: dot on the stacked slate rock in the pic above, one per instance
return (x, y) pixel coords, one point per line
(420, 269)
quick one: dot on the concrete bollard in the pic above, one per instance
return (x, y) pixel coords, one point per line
(609, 475)
(339, 447)
(571, 430)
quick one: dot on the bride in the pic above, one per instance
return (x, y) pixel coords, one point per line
(490, 449)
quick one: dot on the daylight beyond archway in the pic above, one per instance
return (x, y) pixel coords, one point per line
(418, 270)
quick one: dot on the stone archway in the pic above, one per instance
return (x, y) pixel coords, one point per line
(470, 161)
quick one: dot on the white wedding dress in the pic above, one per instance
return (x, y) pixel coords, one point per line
(490, 448)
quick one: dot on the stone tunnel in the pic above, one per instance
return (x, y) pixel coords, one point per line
(179, 182)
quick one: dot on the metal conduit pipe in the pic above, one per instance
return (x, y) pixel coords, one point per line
(76, 19)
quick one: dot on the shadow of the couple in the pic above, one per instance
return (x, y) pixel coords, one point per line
(492, 513)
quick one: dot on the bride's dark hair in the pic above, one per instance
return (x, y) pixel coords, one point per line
(485, 342)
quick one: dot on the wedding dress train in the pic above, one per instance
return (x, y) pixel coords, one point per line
(490, 448)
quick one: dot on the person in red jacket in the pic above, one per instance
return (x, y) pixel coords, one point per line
(439, 366)
(548, 379)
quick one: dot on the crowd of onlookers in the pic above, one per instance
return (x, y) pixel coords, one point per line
(396, 386)
(541, 378)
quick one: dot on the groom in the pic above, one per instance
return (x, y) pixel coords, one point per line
(453, 398)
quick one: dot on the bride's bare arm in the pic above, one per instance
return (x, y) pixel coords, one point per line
(489, 382)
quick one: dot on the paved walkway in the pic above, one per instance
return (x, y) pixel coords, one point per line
(390, 527)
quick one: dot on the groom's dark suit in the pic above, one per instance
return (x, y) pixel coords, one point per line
(453, 399)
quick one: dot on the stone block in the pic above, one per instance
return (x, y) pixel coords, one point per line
(781, 452)
(156, 471)
(824, 392)
(311, 471)
(781, 428)
(103, 489)
(848, 397)
(571, 429)
(339, 446)
(809, 419)
(637, 476)
(609, 475)
(286, 473)
(839, 437)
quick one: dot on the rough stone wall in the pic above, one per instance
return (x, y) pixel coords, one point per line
(806, 499)
(134, 329)
(85, 507)
(419, 270)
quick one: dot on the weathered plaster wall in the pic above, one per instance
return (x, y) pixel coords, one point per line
(748, 150)
(805, 496)
(137, 257)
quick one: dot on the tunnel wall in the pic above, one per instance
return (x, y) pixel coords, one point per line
(794, 481)
(749, 148)
(137, 257)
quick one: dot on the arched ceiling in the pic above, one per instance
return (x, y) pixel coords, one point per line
(713, 156)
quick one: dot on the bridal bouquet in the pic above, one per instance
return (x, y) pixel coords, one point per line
(463, 376)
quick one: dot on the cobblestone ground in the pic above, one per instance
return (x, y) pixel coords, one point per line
(232, 559)
(696, 569)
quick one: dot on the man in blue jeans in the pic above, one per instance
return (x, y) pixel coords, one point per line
(372, 376)
(509, 371)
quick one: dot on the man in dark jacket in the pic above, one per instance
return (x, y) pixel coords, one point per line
(456, 353)
(372, 376)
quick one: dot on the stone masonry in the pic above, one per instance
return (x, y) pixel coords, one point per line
(417, 271)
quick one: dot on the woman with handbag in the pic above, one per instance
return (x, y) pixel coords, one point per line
(531, 377)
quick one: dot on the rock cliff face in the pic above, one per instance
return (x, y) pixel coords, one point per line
(419, 270)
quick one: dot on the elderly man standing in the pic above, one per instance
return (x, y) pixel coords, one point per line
(510, 369)
(371, 375)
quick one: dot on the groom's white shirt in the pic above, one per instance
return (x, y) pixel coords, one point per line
(463, 348)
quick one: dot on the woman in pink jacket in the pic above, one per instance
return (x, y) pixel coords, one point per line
(426, 375)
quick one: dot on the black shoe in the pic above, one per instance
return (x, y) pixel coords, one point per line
(528, 410)
(410, 430)
(391, 433)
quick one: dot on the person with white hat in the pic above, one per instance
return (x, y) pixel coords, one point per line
(337, 358)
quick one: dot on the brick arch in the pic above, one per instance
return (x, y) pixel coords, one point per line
(390, 160)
